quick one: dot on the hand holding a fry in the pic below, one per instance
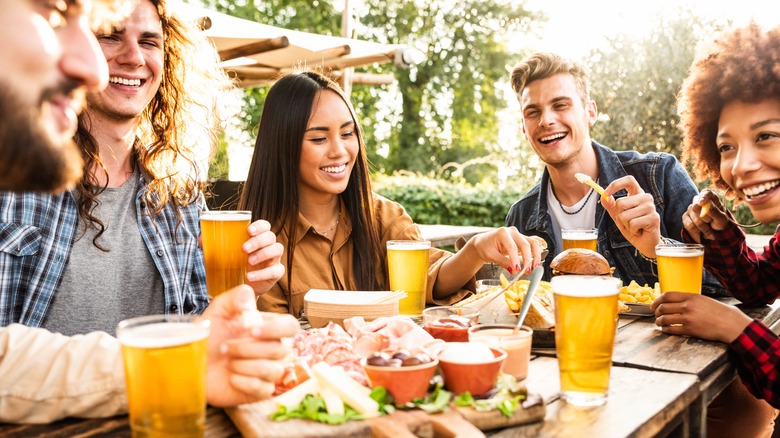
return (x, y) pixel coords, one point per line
(705, 215)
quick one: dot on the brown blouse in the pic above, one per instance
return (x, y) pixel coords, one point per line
(320, 264)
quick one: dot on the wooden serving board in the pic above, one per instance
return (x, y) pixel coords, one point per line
(252, 420)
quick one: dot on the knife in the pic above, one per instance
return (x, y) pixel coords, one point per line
(533, 283)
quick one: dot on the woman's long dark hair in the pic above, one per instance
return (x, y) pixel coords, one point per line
(271, 189)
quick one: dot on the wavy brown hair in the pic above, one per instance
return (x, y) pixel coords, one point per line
(741, 64)
(271, 189)
(185, 114)
(542, 65)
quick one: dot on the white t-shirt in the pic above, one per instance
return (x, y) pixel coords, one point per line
(584, 218)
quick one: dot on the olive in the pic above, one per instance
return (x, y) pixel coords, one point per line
(411, 361)
(378, 359)
(401, 354)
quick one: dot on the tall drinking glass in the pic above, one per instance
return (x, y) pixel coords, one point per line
(407, 265)
(585, 238)
(223, 234)
(585, 324)
(165, 369)
(680, 267)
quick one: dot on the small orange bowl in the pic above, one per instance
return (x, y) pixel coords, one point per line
(403, 383)
(475, 378)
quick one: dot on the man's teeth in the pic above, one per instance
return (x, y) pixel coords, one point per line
(335, 169)
(760, 188)
(129, 82)
(553, 137)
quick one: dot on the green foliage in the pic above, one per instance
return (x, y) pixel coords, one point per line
(449, 102)
(635, 84)
(433, 200)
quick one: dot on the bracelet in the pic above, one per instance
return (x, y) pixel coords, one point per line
(665, 240)
(651, 260)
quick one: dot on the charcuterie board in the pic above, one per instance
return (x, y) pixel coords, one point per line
(253, 421)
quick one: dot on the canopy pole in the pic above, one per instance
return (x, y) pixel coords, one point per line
(346, 31)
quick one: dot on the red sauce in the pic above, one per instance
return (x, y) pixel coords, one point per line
(450, 329)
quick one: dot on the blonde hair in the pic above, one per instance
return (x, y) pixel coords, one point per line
(542, 65)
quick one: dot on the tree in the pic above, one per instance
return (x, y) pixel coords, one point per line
(635, 84)
(449, 102)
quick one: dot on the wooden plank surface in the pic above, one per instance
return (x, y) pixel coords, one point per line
(641, 403)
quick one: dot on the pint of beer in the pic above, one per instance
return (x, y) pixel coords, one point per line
(585, 324)
(407, 266)
(165, 370)
(585, 238)
(223, 234)
(680, 267)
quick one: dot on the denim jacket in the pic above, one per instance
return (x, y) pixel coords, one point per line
(659, 174)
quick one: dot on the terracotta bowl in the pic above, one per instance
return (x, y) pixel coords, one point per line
(403, 383)
(476, 378)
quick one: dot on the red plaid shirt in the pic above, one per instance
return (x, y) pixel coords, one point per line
(753, 279)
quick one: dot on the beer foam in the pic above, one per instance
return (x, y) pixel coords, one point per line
(679, 252)
(411, 246)
(160, 335)
(575, 235)
(226, 215)
(585, 285)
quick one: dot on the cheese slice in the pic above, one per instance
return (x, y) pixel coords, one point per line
(293, 398)
(344, 386)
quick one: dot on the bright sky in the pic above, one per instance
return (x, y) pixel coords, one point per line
(575, 27)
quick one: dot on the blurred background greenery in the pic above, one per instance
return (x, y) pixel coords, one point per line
(444, 140)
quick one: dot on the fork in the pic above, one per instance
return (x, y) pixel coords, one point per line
(705, 209)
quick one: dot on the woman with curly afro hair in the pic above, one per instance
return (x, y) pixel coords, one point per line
(729, 110)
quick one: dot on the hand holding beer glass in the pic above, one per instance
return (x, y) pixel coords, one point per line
(224, 232)
(165, 369)
(680, 267)
(585, 325)
(407, 266)
(586, 238)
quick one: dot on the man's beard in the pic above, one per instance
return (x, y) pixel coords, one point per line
(31, 159)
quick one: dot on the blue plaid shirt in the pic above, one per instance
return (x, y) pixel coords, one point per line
(37, 232)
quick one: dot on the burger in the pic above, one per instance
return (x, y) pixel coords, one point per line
(579, 261)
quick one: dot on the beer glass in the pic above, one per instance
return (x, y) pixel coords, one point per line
(223, 234)
(585, 324)
(680, 267)
(407, 266)
(585, 238)
(503, 336)
(165, 370)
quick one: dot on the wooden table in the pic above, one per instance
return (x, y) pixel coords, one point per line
(660, 386)
(446, 235)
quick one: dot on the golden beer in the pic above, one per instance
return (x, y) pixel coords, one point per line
(585, 324)
(165, 371)
(407, 266)
(680, 267)
(585, 238)
(223, 234)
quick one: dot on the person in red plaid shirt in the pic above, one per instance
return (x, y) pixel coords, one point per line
(730, 114)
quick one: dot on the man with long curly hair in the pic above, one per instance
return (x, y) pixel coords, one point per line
(730, 116)
(124, 243)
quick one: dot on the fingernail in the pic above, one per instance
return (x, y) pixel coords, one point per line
(517, 267)
(527, 270)
(509, 268)
(223, 349)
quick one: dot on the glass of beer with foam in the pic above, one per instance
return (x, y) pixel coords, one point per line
(586, 317)
(680, 267)
(407, 266)
(165, 370)
(223, 233)
(585, 238)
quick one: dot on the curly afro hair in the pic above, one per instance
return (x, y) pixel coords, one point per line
(741, 64)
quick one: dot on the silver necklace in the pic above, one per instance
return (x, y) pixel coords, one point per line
(325, 233)
(571, 213)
